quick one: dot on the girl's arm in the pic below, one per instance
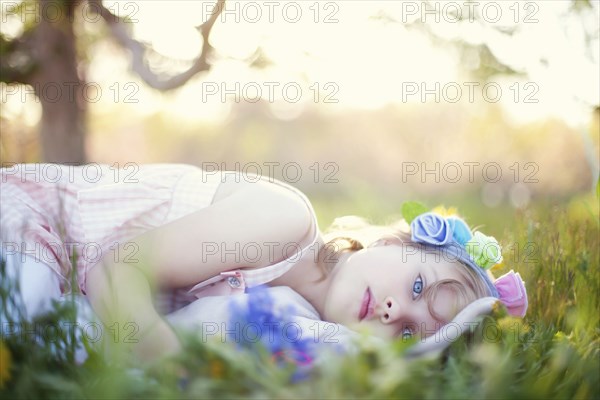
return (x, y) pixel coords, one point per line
(251, 226)
(194, 248)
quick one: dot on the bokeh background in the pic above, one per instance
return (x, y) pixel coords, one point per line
(488, 106)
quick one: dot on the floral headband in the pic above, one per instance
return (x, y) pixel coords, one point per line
(474, 249)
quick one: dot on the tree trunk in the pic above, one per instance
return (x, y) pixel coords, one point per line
(58, 86)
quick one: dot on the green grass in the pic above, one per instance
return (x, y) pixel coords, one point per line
(552, 353)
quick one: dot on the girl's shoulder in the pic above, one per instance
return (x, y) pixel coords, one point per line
(235, 181)
(266, 190)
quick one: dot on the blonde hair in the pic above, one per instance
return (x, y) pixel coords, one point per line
(353, 233)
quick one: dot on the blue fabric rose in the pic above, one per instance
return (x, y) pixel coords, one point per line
(460, 230)
(431, 228)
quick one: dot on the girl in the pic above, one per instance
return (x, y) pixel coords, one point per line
(190, 234)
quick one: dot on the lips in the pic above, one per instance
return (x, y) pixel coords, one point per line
(367, 306)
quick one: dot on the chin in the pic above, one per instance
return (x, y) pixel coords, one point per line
(337, 319)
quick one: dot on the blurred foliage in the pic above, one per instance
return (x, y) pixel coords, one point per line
(488, 65)
(364, 148)
(553, 353)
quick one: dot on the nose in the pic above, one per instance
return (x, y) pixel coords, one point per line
(392, 310)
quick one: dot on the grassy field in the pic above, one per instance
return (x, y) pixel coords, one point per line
(552, 353)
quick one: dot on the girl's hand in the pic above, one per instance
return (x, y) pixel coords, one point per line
(157, 341)
(120, 295)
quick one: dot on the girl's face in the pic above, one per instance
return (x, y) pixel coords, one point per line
(381, 290)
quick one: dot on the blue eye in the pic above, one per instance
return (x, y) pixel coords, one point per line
(417, 287)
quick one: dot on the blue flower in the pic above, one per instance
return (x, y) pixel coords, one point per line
(261, 326)
(430, 228)
(460, 230)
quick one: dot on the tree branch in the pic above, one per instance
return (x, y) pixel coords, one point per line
(16, 61)
(138, 50)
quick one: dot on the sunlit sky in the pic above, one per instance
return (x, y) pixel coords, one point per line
(361, 61)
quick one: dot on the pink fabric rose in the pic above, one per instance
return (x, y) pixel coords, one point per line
(512, 293)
